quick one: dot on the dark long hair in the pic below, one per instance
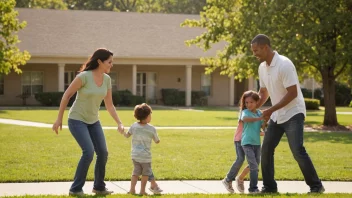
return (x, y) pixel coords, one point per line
(101, 54)
(247, 94)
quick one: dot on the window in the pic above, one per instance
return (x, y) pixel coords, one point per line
(141, 84)
(113, 76)
(32, 82)
(206, 84)
(69, 76)
(1, 84)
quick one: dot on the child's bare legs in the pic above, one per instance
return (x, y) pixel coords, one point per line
(134, 180)
(240, 179)
(244, 173)
(143, 184)
(152, 181)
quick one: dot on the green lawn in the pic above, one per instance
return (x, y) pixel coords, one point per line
(36, 154)
(210, 196)
(167, 117)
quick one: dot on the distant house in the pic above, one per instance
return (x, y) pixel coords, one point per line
(149, 55)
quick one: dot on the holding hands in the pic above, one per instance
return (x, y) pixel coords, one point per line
(120, 128)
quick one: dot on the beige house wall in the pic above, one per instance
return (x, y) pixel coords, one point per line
(168, 76)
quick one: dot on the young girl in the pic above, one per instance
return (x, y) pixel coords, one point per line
(236, 166)
(252, 123)
(142, 135)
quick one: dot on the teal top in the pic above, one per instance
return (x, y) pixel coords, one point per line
(251, 130)
(89, 98)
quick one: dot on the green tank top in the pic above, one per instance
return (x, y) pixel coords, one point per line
(89, 97)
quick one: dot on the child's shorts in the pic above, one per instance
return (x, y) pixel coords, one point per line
(144, 169)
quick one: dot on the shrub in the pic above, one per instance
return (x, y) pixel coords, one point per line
(171, 96)
(199, 98)
(350, 104)
(312, 104)
(136, 100)
(306, 93)
(122, 98)
(342, 94)
(52, 98)
(125, 97)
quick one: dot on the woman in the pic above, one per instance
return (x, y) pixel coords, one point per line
(92, 85)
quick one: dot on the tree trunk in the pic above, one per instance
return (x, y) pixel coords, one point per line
(330, 118)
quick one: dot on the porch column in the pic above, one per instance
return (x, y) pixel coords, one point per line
(61, 77)
(188, 85)
(252, 84)
(134, 79)
(232, 91)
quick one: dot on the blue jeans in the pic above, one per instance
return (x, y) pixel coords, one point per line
(236, 166)
(90, 138)
(293, 129)
(253, 157)
(151, 177)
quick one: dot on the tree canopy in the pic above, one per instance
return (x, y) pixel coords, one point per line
(315, 35)
(10, 56)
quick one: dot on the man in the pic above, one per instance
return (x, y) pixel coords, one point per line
(279, 80)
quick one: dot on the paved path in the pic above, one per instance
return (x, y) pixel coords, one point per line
(44, 125)
(169, 187)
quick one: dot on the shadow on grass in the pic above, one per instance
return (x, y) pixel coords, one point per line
(308, 123)
(340, 138)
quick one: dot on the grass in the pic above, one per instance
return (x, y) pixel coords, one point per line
(210, 196)
(37, 154)
(167, 117)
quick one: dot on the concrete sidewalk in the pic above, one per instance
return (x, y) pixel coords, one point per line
(45, 125)
(169, 187)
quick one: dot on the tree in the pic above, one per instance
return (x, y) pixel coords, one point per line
(182, 6)
(108, 5)
(10, 55)
(149, 6)
(48, 4)
(315, 35)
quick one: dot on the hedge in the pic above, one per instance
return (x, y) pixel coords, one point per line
(119, 98)
(174, 97)
(312, 104)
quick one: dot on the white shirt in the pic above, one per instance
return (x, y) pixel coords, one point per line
(276, 78)
(142, 136)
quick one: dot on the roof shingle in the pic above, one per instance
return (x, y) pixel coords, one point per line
(76, 33)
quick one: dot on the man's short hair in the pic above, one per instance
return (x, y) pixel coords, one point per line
(261, 39)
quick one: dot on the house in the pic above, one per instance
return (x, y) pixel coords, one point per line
(149, 55)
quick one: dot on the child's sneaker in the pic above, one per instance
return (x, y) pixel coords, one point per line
(239, 184)
(156, 190)
(228, 186)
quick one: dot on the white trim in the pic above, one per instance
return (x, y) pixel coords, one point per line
(134, 79)
(232, 91)
(188, 85)
(121, 61)
(61, 77)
